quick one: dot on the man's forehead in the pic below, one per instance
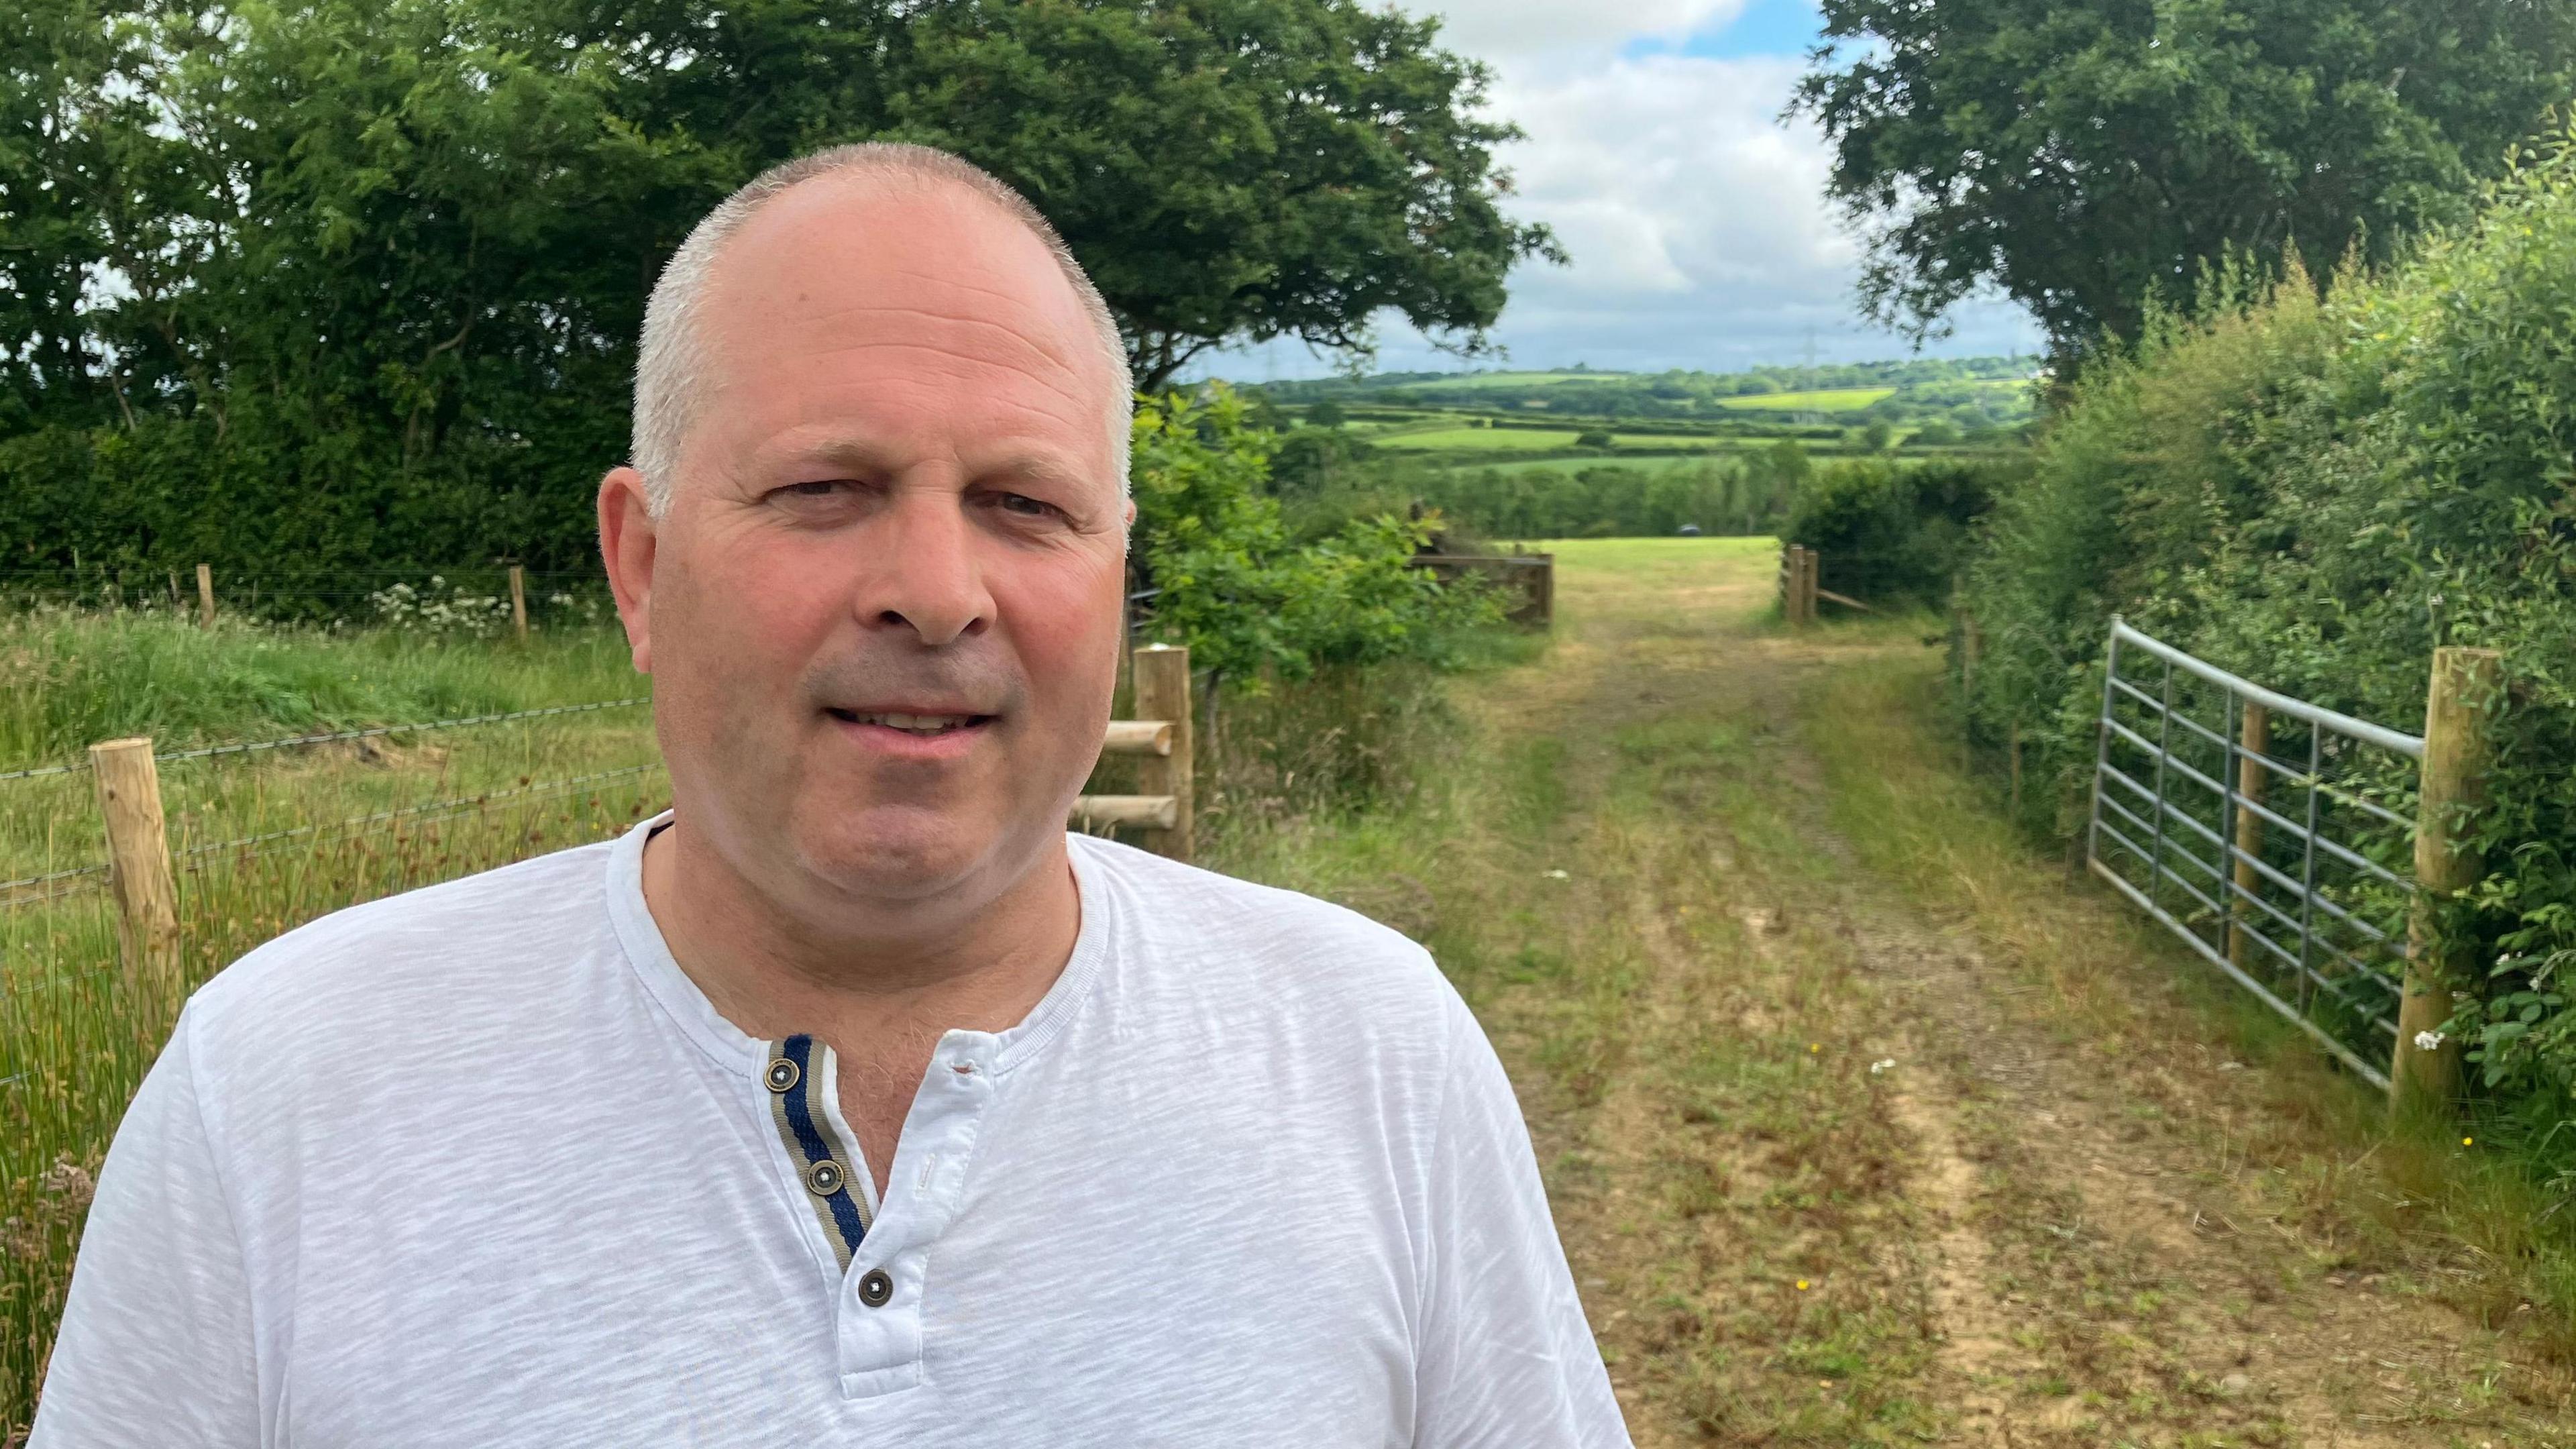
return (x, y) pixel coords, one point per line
(896, 258)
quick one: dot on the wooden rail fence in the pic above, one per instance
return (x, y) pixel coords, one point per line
(1531, 576)
(1800, 567)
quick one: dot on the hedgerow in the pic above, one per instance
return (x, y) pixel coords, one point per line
(2315, 488)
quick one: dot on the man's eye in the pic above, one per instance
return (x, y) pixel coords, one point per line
(819, 488)
(1022, 503)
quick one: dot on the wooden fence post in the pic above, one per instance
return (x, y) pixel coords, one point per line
(1163, 692)
(519, 601)
(206, 595)
(1804, 610)
(2254, 737)
(2454, 780)
(138, 861)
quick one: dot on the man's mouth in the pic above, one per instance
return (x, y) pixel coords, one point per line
(927, 726)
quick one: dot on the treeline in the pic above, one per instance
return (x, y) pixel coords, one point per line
(1987, 393)
(1675, 382)
(306, 290)
(2315, 489)
(1891, 528)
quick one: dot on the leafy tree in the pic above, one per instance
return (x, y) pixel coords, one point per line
(1592, 440)
(1234, 169)
(355, 282)
(2086, 155)
(1327, 414)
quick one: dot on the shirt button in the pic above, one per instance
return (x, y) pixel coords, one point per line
(875, 1288)
(782, 1075)
(824, 1178)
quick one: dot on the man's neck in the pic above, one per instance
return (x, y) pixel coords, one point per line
(863, 973)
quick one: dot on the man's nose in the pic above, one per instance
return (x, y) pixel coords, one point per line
(927, 576)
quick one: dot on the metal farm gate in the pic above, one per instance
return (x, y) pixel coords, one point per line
(2273, 836)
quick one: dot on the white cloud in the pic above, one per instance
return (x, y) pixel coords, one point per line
(1517, 34)
(1696, 220)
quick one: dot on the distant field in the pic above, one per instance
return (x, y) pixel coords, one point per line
(1480, 440)
(1520, 379)
(1832, 400)
(1571, 465)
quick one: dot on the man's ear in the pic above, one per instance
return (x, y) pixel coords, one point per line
(628, 537)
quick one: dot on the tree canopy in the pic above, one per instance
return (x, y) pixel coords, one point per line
(2085, 156)
(362, 277)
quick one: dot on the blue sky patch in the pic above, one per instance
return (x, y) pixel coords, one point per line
(1766, 27)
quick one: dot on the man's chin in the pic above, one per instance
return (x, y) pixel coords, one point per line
(901, 853)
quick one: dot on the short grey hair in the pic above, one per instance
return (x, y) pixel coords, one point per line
(671, 360)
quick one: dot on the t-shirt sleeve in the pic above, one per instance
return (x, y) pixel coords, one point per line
(1505, 1359)
(156, 1339)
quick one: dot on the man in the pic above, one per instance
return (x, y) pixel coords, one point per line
(851, 1102)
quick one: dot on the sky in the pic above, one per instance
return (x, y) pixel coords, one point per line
(1696, 219)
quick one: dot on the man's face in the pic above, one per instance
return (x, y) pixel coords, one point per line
(882, 612)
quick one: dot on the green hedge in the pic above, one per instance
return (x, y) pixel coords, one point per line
(2315, 492)
(1893, 532)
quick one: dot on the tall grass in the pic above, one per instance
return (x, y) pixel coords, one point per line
(70, 679)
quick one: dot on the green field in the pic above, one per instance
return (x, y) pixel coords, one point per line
(1525, 440)
(1480, 440)
(1831, 400)
(1527, 379)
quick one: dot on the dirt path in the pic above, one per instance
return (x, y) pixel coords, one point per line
(1832, 1166)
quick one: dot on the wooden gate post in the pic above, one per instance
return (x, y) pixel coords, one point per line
(2255, 738)
(1163, 692)
(206, 595)
(519, 601)
(138, 861)
(1810, 567)
(2456, 750)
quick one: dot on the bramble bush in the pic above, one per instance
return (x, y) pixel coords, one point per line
(2315, 490)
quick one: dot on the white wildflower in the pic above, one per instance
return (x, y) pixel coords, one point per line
(1883, 1064)
(2426, 1041)
(1558, 875)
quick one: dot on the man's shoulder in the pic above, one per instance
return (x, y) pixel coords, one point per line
(385, 955)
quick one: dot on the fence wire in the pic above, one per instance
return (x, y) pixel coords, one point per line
(194, 858)
(2265, 832)
(250, 747)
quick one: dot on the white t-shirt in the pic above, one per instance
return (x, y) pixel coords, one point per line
(480, 1166)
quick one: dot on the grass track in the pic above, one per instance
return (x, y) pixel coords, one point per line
(1865, 1123)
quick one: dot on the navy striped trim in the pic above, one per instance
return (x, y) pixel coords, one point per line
(811, 1142)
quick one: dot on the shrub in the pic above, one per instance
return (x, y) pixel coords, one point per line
(1250, 600)
(1891, 532)
(1593, 439)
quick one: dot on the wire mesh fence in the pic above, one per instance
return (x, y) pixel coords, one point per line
(469, 599)
(2273, 836)
(370, 732)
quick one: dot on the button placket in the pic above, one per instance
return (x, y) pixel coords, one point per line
(881, 1322)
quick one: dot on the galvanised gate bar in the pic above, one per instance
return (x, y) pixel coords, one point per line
(2272, 835)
